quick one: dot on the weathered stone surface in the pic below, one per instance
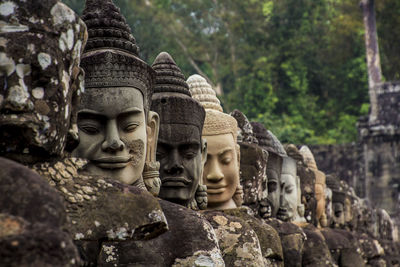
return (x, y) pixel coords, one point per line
(32, 219)
(94, 204)
(316, 251)
(190, 241)
(268, 237)
(253, 177)
(25, 194)
(238, 242)
(245, 130)
(343, 246)
(40, 54)
(292, 239)
(102, 209)
(36, 244)
(371, 250)
(307, 186)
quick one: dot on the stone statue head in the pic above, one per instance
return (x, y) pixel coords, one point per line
(253, 165)
(221, 170)
(291, 209)
(181, 151)
(319, 185)
(307, 186)
(118, 133)
(268, 141)
(40, 51)
(328, 205)
(289, 194)
(338, 201)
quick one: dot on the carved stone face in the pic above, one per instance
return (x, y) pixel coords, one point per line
(289, 198)
(274, 168)
(253, 176)
(307, 184)
(328, 205)
(338, 215)
(320, 197)
(113, 133)
(179, 152)
(347, 209)
(221, 171)
(38, 66)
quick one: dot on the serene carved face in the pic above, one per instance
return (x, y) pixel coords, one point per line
(320, 197)
(221, 171)
(289, 197)
(179, 152)
(38, 71)
(113, 133)
(274, 168)
(347, 210)
(328, 204)
(338, 214)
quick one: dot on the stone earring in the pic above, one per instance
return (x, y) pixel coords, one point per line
(238, 196)
(151, 177)
(201, 197)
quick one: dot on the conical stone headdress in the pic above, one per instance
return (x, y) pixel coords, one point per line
(111, 55)
(216, 121)
(267, 140)
(245, 130)
(309, 160)
(172, 99)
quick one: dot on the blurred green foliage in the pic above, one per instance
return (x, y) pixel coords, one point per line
(297, 66)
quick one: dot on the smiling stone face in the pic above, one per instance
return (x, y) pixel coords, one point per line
(40, 47)
(112, 131)
(221, 170)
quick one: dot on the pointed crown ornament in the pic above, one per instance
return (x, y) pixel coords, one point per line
(111, 55)
(216, 121)
(172, 99)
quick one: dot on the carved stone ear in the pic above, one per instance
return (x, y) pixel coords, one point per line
(153, 127)
(238, 154)
(151, 169)
(203, 151)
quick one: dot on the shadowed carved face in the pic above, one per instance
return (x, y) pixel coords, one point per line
(39, 70)
(181, 154)
(338, 214)
(289, 195)
(320, 197)
(274, 189)
(221, 171)
(113, 133)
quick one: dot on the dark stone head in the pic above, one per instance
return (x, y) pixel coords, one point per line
(40, 78)
(253, 164)
(269, 142)
(180, 148)
(338, 200)
(245, 130)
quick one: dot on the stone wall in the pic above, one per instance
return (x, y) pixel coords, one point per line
(372, 165)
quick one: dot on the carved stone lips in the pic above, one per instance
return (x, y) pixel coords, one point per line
(282, 213)
(112, 162)
(175, 181)
(216, 189)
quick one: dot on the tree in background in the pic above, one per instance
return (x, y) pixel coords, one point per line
(297, 66)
